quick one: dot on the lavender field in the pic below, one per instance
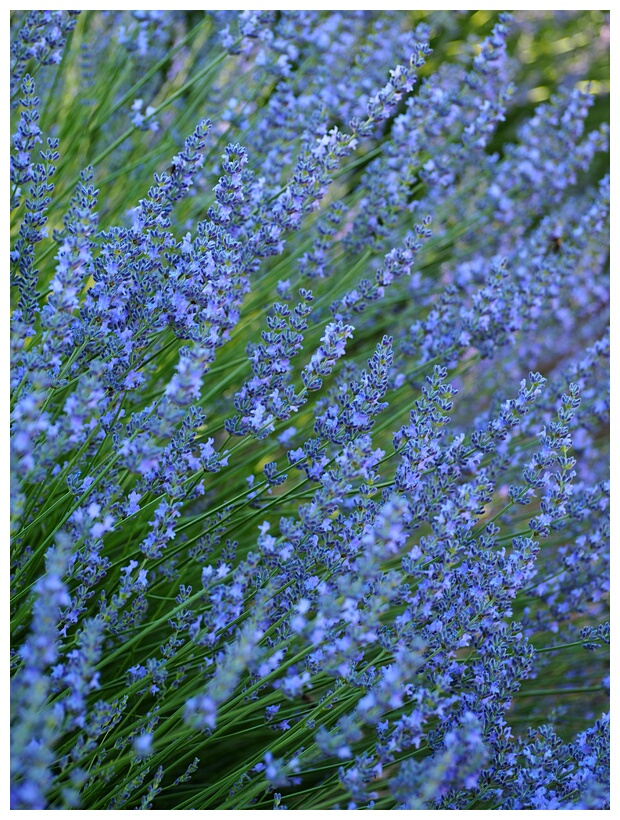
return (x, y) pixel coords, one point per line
(309, 410)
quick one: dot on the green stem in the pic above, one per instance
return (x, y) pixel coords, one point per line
(544, 692)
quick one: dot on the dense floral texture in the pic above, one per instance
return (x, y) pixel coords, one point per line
(309, 411)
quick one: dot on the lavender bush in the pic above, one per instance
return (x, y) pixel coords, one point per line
(310, 360)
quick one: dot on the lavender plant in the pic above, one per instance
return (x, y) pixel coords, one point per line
(309, 411)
